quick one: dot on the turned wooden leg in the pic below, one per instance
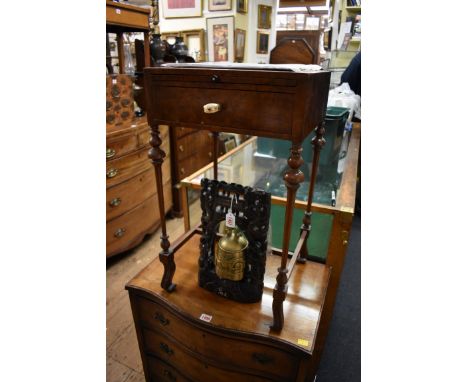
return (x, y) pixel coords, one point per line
(166, 256)
(215, 155)
(293, 178)
(318, 141)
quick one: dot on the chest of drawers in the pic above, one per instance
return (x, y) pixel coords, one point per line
(132, 209)
(236, 345)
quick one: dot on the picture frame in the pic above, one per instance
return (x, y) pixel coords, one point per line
(264, 16)
(262, 42)
(219, 5)
(312, 23)
(239, 45)
(230, 144)
(291, 22)
(173, 9)
(242, 6)
(220, 38)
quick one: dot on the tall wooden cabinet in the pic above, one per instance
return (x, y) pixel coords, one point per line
(132, 209)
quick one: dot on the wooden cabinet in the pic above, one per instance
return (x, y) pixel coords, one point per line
(191, 150)
(237, 344)
(132, 208)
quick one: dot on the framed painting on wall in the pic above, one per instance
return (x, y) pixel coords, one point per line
(219, 5)
(262, 42)
(220, 37)
(242, 6)
(264, 17)
(181, 8)
(240, 45)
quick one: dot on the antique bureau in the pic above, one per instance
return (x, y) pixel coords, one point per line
(186, 333)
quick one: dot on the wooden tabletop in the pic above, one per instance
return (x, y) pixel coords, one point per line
(302, 307)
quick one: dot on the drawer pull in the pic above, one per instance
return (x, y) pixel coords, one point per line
(165, 348)
(160, 317)
(262, 358)
(210, 154)
(182, 171)
(211, 108)
(115, 202)
(120, 232)
(169, 375)
(112, 172)
(181, 148)
(110, 152)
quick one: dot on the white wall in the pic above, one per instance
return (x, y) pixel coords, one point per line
(247, 22)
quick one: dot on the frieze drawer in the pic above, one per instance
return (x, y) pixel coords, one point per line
(264, 360)
(280, 104)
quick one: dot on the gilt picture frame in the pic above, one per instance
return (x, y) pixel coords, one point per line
(239, 45)
(219, 5)
(264, 16)
(262, 42)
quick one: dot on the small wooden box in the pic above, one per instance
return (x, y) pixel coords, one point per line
(270, 103)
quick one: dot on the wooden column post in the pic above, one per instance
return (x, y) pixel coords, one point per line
(147, 50)
(166, 256)
(293, 178)
(318, 141)
(120, 52)
(215, 155)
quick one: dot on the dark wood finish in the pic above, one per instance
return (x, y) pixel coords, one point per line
(276, 104)
(131, 186)
(312, 39)
(318, 141)
(237, 345)
(252, 211)
(268, 103)
(292, 51)
(292, 178)
(192, 149)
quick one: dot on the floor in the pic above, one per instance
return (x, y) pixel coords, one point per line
(123, 356)
(340, 360)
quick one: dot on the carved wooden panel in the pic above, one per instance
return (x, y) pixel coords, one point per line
(119, 99)
(252, 211)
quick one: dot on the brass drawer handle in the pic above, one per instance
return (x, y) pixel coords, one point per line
(115, 202)
(110, 152)
(181, 148)
(210, 154)
(112, 172)
(182, 171)
(211, 108)
(262, 358)
(169, 375)
(160, 317)
(165, 348)
(120, 232)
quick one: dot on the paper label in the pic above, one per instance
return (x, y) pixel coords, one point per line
(117, 11)
(206, 317)
(303, 342)
(230, 220)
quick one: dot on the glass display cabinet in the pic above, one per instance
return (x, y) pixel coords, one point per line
(260, 163)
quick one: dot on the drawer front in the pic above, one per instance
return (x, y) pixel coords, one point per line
(122, 16)
(241, 111)
(192, 144)
(182, 131)
(127, 195)
(120, 146)
(123, 168)
(126, 230)
(172, 353)
(190, 165)
(162, 371)
(278, 364)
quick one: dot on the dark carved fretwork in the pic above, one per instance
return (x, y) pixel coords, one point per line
(293, 178)
(166, 256)
(252, 211)
(318, 142)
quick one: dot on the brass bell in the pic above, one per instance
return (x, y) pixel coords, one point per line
(229, 255)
